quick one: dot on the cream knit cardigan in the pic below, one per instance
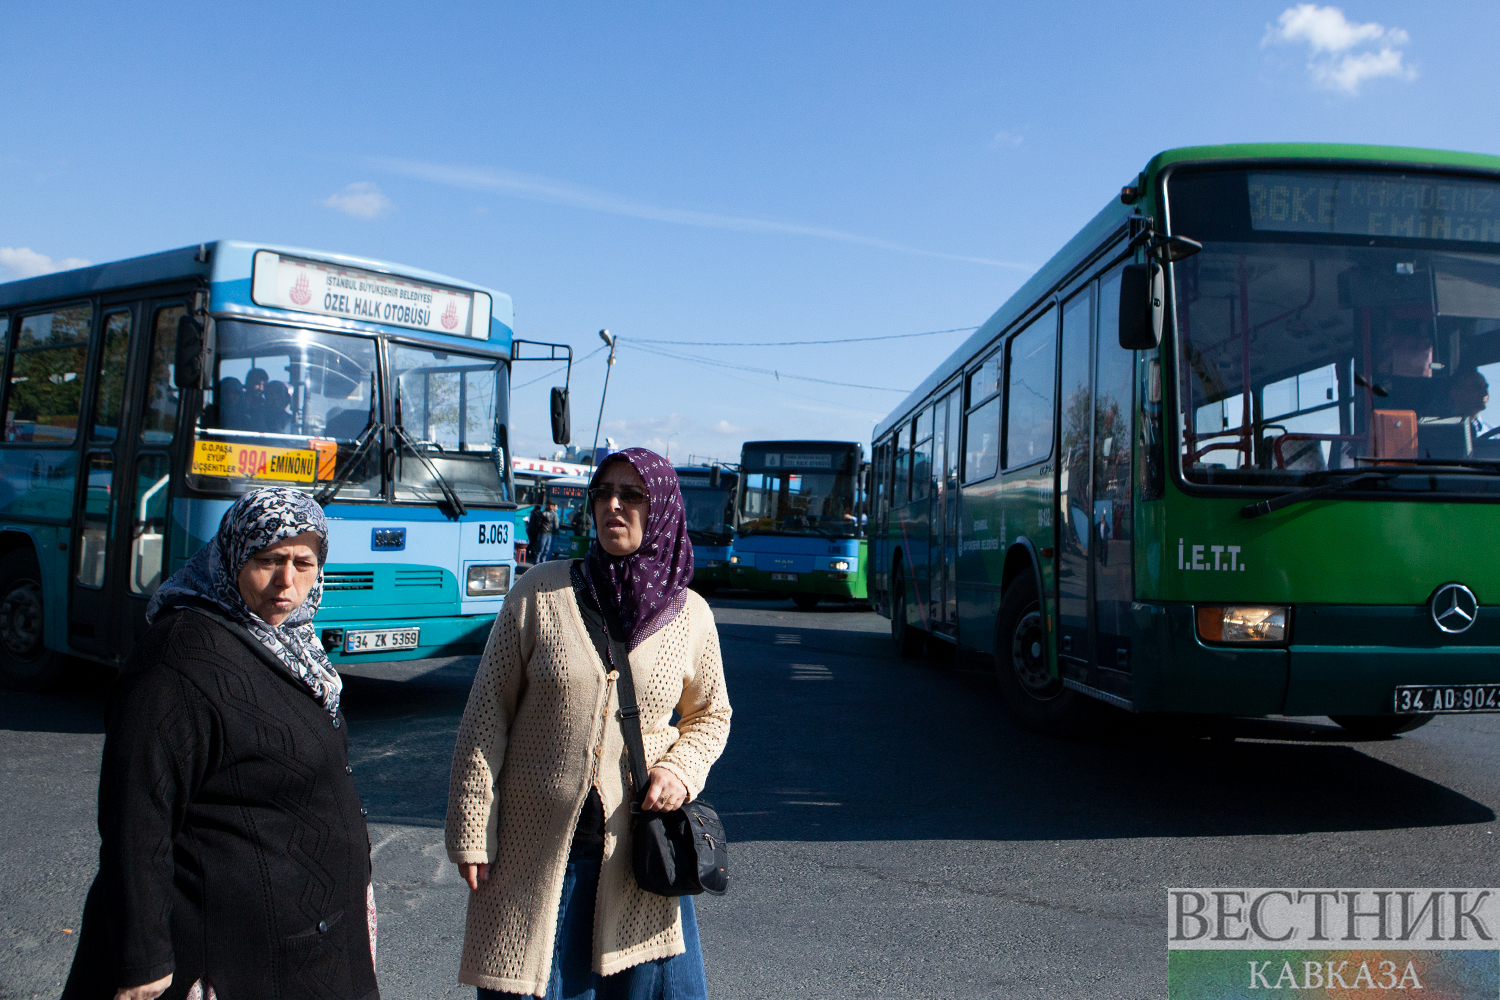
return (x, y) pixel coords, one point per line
(541, 727)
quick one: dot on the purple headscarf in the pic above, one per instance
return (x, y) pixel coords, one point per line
(648, 587)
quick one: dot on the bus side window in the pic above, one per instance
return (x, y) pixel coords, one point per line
(1032, 366)
(109, 391)
(148, 532)
(921, 456)
(903, 465)
(982, 425)
(93, 533)
(46, 377)
(159, 420)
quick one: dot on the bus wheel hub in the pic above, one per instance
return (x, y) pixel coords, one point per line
(21, 619)
(1026, 654)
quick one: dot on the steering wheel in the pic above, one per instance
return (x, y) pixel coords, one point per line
(1489, 434)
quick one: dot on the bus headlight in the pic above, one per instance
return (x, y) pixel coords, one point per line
(488, 581)
(1243, 623)
(734, 560)
(839, 564)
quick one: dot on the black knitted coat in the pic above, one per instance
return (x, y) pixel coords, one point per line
(234, 847)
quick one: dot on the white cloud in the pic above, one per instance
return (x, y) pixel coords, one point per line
(1342, 54)
(362, 199)
(1004, 138)
(725, 427)
(25, 262)
(556, 192)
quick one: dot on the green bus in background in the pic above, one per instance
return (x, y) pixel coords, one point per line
(1231, 450)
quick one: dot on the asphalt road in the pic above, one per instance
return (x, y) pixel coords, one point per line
(891, 834)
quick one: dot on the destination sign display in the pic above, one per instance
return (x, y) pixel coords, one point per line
(245, 461)
(810, 460)
(312, 286)
(1418, 207)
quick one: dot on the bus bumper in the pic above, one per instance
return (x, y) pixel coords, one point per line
(836, 586)
(1321, 673)
(458, 635)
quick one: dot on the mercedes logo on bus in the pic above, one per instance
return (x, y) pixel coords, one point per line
(1454, 608)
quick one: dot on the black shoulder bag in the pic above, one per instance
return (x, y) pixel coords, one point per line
(678, 853)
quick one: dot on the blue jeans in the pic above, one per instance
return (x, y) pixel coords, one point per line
(680, 977)
(543, 548)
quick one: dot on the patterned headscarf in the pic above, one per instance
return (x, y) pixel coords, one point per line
(646, 588)
(259, 519)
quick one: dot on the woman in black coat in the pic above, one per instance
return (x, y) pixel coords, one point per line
(235, 861)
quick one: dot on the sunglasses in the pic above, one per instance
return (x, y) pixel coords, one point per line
(629, 495)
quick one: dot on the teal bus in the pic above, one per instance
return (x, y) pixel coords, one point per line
(1230, 451)
(800, 527)
(142, 396)
(708, 499)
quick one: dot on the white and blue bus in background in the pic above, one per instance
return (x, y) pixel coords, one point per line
(142, 396)
(708, 501)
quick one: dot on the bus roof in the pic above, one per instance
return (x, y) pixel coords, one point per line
(228, 264)
(1114, 214)
(783, 444)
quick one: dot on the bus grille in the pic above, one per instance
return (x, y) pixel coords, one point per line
(349, 581)
(419, 578)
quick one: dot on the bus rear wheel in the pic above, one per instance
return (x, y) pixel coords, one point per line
(1379, 726)
(806, 601)
(1031, 695)
(907, 640)
(25, 664)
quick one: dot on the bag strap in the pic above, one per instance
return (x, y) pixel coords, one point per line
(605, 629)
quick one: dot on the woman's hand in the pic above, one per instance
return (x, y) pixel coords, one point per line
(474, 874)
(664, 791)
(150, 991)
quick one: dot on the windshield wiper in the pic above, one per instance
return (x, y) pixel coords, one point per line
(449, 493)
(1297, 496)
(362, 444)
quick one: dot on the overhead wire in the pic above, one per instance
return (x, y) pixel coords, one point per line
(750, 368)
(798, 343)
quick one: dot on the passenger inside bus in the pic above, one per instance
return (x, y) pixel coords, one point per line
(231, 400)
(276, 415)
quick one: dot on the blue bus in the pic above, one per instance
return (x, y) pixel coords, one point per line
(801, 520)
(142, 396)
(708, 498)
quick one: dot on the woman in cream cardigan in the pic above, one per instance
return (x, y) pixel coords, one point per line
(540, 793)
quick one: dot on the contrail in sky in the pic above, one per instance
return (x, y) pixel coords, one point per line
(534, 188)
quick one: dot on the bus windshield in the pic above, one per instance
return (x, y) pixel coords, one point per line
(450, 406)
(709, 512)
(1306, 347)
(288, 405)
(802, 492)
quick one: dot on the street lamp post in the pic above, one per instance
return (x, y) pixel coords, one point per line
(605, 336)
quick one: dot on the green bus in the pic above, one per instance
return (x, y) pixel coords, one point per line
(1230, 451)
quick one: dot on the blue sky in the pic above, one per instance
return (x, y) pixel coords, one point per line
(690, 173)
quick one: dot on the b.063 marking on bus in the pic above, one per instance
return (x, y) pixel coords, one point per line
(1218, 558)
(495, 533)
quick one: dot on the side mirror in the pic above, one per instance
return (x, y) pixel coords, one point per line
(1142, 311)
(193, 367)
(562, 420)
(715, 478)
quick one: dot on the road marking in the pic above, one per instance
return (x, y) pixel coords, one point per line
(811, 672)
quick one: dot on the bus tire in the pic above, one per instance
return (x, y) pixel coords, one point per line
(1029, 692)
(806, 601)
(1379, 726)
(908, 641)
(25, 664)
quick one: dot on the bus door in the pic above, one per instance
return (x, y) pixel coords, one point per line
(119, 525)
(1095, 582)
(943, 543)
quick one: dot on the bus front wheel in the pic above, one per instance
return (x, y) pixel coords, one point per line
(1379, 726)
(25, 664)
(806, 601)
(1031, 695)
(907, 640)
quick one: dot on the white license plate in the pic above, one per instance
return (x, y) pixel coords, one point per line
(1416, 699)
(381, 640)
(787, 577)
